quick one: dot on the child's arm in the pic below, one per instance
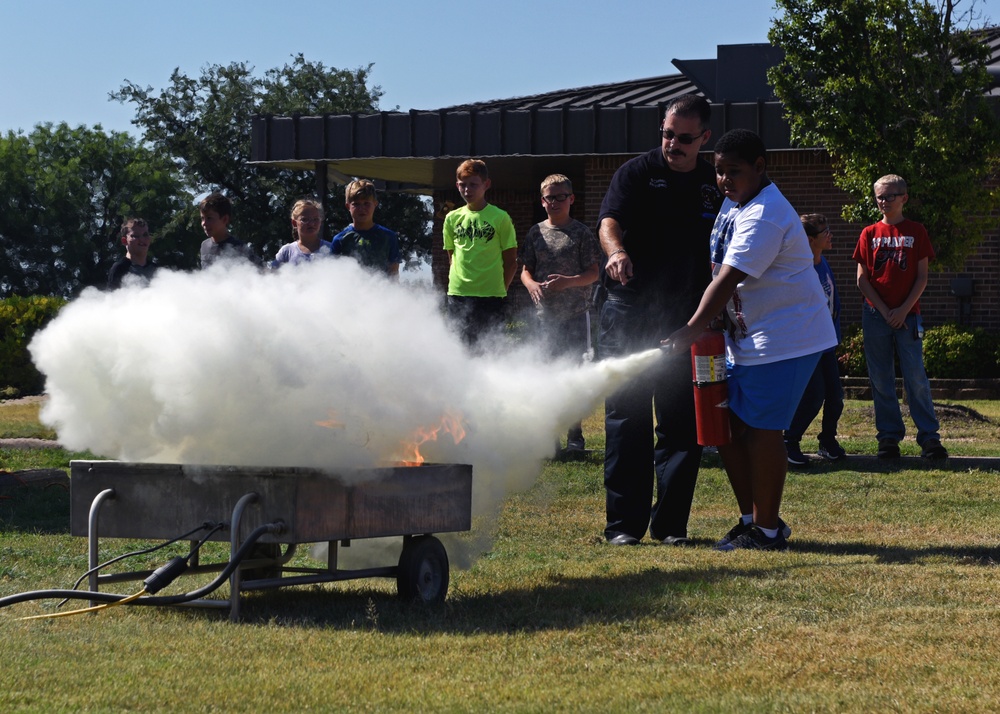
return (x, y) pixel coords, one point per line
(534, 287)
(717, 294)
(869, 291)
(557, 283)
(509, 266)
(916, 291)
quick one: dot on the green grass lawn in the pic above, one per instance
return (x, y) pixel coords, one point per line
(886, 600)
(20, 420)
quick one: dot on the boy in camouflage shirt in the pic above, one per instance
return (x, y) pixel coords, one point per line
(560, 261)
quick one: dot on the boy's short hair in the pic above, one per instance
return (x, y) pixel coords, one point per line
(813, 223)
(744, 143)
(360, 188)
(217, 202)
(129, 223)
(691, 105)
(557, 180)
(891, 180)
(472, 167)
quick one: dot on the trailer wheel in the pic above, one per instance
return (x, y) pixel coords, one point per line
(423, 570)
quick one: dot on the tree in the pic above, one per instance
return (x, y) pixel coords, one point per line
(63, 195)
(895, 86)
(204, 123)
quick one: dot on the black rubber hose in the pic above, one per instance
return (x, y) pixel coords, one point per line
(238, 557)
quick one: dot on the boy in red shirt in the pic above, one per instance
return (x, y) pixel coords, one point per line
(892, 257)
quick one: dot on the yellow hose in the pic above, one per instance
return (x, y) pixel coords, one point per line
(94, 608)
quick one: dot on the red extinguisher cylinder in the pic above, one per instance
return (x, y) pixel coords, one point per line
(711, 395)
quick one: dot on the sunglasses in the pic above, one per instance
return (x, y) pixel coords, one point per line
(685, 139)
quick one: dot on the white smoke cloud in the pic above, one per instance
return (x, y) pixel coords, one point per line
(320, 365)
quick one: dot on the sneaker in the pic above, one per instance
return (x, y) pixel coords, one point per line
(754, 539)
(933, 450)
(795, 455)
(831, 450)
(575, 445)
(735, 532)
(888, 449)
(740, 528)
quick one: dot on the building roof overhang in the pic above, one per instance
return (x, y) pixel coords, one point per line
(523, 137)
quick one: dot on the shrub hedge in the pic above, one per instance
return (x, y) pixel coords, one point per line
(20, 319)
(950, 352)
(956, 352)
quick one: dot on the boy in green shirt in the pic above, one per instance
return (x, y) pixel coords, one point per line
(482, 250)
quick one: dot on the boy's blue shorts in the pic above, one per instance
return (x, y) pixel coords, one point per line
(765, 396)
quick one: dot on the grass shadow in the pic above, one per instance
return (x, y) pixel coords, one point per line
(565, 603)
(872, 464)
(30, 509)
(902, 555)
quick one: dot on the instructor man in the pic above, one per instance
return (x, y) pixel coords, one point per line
(654, 228)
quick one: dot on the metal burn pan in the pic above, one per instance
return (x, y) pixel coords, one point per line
(116, 499)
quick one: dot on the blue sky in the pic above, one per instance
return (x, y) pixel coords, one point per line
(61, 58)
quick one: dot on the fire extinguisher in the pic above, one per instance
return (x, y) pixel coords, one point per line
(711, 396)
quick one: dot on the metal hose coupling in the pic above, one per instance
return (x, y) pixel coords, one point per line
(276, 527)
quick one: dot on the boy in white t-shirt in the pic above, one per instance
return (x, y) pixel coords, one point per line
(777, 323)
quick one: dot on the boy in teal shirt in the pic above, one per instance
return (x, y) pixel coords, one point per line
(482, 250)
(374, 246)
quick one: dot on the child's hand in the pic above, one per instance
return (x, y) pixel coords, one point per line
(896, 319)
(555, 283)
(534, 289)
(680, 341)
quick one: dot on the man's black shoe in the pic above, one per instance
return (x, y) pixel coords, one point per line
(623, 539)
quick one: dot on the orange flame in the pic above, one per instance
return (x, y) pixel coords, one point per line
(332, 422)
(451, 423)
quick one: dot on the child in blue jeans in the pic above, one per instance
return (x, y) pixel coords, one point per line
(824, 389)
(893, 256)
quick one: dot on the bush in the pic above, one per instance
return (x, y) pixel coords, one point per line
(851, 353)
(956, 352)
(20, 319)
(950, 352)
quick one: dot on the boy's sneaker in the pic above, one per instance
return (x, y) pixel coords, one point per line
(741, 528)
(795, 455)
(831, 450)
(933, 450)
(735, 532)
(888, 449)
(755, 539)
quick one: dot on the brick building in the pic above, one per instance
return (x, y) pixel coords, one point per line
(587, 133)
